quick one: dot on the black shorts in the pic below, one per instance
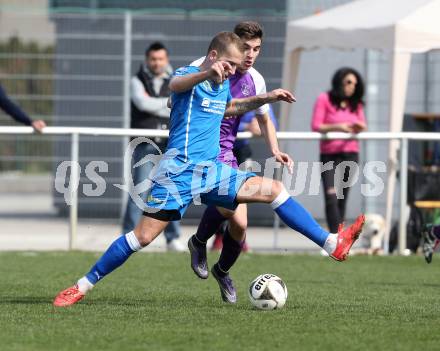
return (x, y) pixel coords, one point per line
(164, 215)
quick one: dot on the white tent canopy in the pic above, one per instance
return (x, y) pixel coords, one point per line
(404, 25)
(401, 27)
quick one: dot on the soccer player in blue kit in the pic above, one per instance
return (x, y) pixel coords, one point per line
(189, 170)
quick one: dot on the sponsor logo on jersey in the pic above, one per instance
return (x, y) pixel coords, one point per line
(245, 89)
(206, 102)
(154, 199)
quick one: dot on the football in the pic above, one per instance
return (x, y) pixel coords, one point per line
(268, 292)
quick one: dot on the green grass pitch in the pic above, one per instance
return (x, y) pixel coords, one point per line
(155, 302)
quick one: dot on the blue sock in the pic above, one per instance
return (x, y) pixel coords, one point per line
(298, 218)
(118, 252)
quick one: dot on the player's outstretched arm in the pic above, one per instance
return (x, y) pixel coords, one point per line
(237, 107)
(181, 84)
(270, 135)
(217, 72)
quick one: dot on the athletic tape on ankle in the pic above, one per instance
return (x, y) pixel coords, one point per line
(198, 240)
(220, 268)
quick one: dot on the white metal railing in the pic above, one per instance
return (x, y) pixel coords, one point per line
(76, 132)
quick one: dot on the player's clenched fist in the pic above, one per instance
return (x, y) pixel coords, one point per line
(220, 71)
(281, 95)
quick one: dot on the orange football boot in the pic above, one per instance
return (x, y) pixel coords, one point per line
(347, 237)
(68, 297)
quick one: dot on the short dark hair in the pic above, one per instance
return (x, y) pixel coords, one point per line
(156, 46)
(223, 40)
(336, 94)
(249, 30)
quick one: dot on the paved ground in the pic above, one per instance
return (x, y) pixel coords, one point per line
(33, 225)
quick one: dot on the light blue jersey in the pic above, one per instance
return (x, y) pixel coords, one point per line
(189, 171)
(196, 117)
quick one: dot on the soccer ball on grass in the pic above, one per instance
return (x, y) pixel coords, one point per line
(268, 292)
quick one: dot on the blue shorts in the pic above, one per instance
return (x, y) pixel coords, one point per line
(177, 184)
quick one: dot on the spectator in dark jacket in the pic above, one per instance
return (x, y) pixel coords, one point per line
(16, 113)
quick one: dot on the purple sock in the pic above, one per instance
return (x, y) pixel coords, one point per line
(436, 231)
(210, 223)
(230, 252)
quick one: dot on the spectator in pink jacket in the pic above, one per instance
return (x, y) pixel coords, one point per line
(339, 110)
